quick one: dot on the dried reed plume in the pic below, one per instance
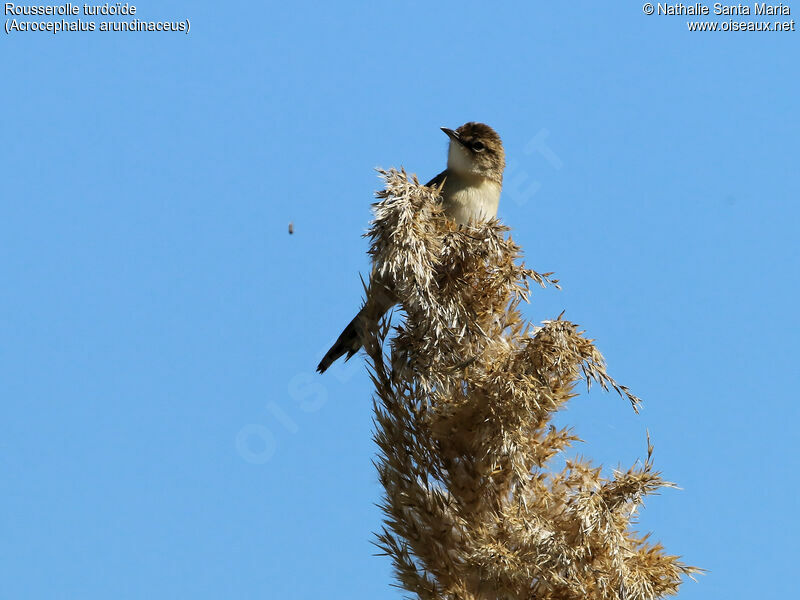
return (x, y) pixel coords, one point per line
(463, 405)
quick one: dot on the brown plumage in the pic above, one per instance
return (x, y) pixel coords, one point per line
(470, 191)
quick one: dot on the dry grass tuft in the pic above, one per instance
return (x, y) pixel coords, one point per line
(463, 405)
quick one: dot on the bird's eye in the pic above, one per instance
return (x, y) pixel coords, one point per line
(478, 146)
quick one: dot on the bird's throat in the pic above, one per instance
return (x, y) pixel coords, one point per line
(470, 198)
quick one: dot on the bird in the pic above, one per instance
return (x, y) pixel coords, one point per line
(470, 193)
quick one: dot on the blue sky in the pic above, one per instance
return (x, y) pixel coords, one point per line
(163, 433)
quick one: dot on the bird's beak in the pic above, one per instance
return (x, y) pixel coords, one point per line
(452, 135)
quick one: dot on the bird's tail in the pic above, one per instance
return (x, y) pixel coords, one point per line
(348, 342)
(380, 299)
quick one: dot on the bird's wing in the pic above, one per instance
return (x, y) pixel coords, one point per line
(438, 180)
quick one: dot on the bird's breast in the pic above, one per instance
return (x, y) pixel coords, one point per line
(470, 199)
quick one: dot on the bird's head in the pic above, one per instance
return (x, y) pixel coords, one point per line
(476, 149)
